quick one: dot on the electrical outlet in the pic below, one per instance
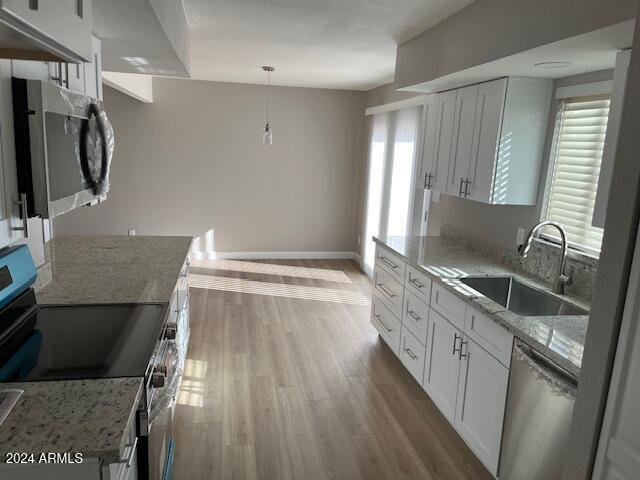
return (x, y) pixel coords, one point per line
(359, 239)
(132, 232)
(520, 236)
(435, 197)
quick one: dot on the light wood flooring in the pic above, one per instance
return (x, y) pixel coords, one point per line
(287, 379)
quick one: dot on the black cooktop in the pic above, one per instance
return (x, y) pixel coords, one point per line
(65, 342)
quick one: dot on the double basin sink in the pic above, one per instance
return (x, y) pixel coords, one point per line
(520, 298)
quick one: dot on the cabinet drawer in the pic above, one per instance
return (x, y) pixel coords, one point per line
(415, 316)
(449, 306)
(391, 262)
(489, 335)
(419, 283)
(412, 354)
(386, 324)
(389, 290)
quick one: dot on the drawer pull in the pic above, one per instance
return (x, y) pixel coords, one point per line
(413, 315)
(386, 290)
(384, 325)
(415, 282)
(387, 262)
(412, 355)
(455, 341)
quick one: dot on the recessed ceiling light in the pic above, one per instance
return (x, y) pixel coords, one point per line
(553, 64)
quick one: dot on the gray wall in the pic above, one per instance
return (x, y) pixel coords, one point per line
(488, 30)
(194, 161)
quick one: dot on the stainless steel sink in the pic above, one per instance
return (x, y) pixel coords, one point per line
(520, 298)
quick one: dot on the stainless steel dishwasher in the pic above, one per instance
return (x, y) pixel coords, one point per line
(537, 418)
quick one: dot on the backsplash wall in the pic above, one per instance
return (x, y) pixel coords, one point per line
(541, 263)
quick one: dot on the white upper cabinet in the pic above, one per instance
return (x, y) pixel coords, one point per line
(437, 140)
(482, 394)
(611, 139)
(47, 30)
(463, 129)
(493, 148)
(485, 145)
(426, 172)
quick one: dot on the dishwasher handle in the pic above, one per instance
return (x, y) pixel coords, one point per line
(557, 377)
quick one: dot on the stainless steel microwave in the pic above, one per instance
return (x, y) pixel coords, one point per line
(63, 147)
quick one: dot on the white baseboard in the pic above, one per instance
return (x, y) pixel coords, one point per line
(278, 255)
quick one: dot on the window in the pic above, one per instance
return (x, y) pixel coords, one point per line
(580, 131)
(392, 152)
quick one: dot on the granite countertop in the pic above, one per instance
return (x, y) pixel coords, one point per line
(89, 416)
(110, 269)
(559, 338)
(78, 416)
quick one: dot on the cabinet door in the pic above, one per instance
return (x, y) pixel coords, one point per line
(93, 71)
(442, 366)
(443, 141)
(429, 125)
(463, 126)
(482, 394)
(9, 210)
(486, 133)
(75, 76)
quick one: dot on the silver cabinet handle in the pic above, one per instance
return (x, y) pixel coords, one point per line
(127, 461)
(412, 355)
(388, 262)
(463, 343)
(455, 340)
(460, 188)
(386, 290)
(413, 315)
(467, 182)
(24, 215)
(389, 330)
(415, 282)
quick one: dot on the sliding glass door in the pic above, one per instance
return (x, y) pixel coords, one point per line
(391, 168)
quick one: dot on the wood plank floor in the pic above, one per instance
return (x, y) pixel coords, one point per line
(287, 379)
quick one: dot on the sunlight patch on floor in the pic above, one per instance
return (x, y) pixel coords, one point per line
(272, 269)
(238, 285)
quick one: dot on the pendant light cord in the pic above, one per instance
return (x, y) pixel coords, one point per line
(268, 90)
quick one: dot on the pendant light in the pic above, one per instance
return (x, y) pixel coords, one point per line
(267, 134)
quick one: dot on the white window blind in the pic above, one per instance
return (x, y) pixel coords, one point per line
(580, 134)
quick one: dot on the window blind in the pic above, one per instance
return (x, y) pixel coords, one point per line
(580, 134)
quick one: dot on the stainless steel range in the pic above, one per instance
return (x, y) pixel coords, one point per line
(92, 341)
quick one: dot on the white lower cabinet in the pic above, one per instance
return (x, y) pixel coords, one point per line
(459, 355)
(442, 365)
(482, 394)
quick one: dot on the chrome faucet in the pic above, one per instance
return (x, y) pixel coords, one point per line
(561, 279)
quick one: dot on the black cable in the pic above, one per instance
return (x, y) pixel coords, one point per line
(92, 183)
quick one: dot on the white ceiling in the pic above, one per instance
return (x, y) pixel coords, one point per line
(343, 44)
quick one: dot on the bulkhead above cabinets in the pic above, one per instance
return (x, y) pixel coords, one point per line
(485, 141)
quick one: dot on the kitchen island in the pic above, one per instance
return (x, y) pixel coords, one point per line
(92, 417)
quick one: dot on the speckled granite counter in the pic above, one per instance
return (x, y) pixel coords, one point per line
(86, 416)
(89, 416)
(110, 269)
(561, 339)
